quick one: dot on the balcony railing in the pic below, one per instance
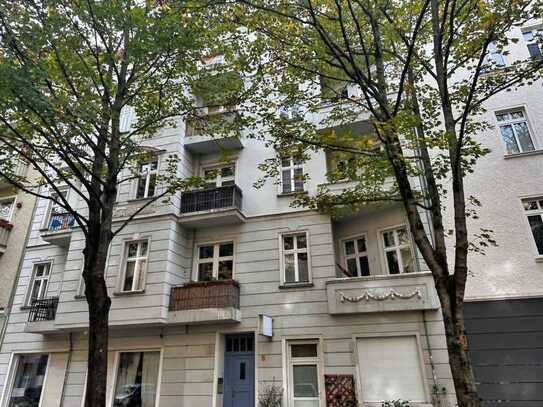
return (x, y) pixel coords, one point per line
(61, 221)
(43, 309)
(206, 294)
(209, 199)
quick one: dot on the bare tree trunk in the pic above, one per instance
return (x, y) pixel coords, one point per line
(99, 304)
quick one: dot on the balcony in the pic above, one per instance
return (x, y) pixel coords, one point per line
(41, 318)
(5, 230)
(211, 207)
(213, 131)
(382, 293)
(205, 302)
(59, 229)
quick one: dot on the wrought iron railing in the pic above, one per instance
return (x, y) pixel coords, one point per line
(43, 309)
(205, 294)
(61, 221)
(208, 199)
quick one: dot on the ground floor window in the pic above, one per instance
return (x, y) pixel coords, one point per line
(534, 211)
(137, 379)
(395, 358)
(304, 373)
(28, 381)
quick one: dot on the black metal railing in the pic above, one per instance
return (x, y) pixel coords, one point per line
(61, 221)
(43, 309)
(208, 199)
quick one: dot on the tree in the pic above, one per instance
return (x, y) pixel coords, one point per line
(418, 72)
(72, 73)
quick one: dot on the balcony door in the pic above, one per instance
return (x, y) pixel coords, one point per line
(239, 371)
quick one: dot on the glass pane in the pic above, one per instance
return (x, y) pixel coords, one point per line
(143, 249)
(227, 183)
(152, 185)
(509, 139)
(140, 266)
(523, 136)
(226, 249)
(303, 271)
(301, 241)
(407, 260)
(286, 181)
(403, 237)
(242, 371)
(206, 252)
(129, 275)
(388, 238)
(289, 268)
(361, 244)
(528, 36)
(132, 249)
(225, 269)
(35, 290)
(541, 203)
(205, 271)
(392, 262)
(153, 165)
(305, 381)
(502, 117)
(39, 270)
(210, 174)
(28, 382)
(530, 205)
(517, 115)
(142, 181)
(536, 224)
(288, 242)
(306, 403)
(298, 179)
(5, 209)
(349, 247)
(306, 350)
(227, 171)
(137, 378)
(364, 266)
(285, 162)
(351, 267)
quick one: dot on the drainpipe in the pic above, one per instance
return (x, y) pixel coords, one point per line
(65, 381)
(7, 310)
(435, 390)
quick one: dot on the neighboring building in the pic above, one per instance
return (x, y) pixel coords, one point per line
(16, 208)
(224, 291)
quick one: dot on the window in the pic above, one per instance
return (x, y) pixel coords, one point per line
(395, 358)
(397, 246)
(292, 175)
(136, 254)
(534, 211)
(515, 131)
(356, 256)
(220, 176)
(147, 179)
(40, 281)
(137, 379)
(6, 208)
(215, 261)
(533, 39)
(28, 381)
(494, 58)
(303, 373)
(295, 258)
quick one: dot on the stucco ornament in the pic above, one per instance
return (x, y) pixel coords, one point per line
(390, 295)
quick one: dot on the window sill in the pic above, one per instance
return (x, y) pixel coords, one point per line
(286, 194)
(525, 154)
(79, 297)
(25, 307)
(539, 259)
(140, 199)
(128, 293)
(295, 285)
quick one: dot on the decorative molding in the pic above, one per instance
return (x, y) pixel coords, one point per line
(391, 295)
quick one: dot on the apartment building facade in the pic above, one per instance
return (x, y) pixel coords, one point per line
(225, 291)
(16, 209)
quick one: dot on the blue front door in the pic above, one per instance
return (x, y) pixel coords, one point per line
(239, 371)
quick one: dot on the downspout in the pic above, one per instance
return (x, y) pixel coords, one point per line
(7, 310)
(66, 372)
(435, 389)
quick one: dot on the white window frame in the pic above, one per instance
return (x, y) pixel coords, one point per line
(291, 168)
(13, 199)
(356, 254)
(533, 212)
(41, 279)
(215, 259)
(295, 251)
(535, 31)
(218, 177)
(142, 272)
(51, 206)
(420, 355)
(117, 361)
(397, 247)
(147, 173)
(288, 379)
(511, 122)
(494, 58)
(12, 371)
